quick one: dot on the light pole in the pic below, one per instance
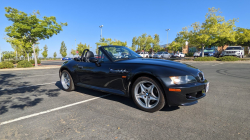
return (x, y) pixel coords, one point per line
(101, 31)
(0, 55)
(75, 45)
(167, 36)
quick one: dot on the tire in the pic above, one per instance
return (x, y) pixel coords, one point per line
(67, 81)
(140, 97)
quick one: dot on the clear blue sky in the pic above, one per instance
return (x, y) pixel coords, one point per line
(122, 19)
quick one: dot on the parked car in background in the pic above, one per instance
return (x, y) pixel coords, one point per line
(151, 55)
(172, 55)
(207, 52)
(162, 55)
(234, 51)
(180, 54)
(66, 58)
(143, 54)
(211, 52)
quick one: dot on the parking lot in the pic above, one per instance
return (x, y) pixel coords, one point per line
(34, 106)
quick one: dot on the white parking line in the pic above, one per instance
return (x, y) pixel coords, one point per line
(30, 76)
(27, 86)
(51, 110)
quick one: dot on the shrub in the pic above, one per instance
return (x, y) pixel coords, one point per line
(14, 61)
(24, 64)
(205, 59)
(6, 64)
(228, 58)
(190, 54)
(33, 61)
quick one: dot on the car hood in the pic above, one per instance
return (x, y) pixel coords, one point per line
(165, 63)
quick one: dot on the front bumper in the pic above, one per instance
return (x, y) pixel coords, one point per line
(189, 95)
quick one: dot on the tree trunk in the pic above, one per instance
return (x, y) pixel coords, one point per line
(202, 50)
(33, 45)
(28, 56)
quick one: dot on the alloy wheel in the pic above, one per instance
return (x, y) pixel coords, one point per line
(147, 94)
(65, 80)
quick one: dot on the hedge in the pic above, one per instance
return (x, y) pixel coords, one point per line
(24, 64)
(228, 58)
(6, 64)
(33, 61)
(205, 59)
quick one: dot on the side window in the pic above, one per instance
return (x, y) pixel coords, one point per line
(102, 58)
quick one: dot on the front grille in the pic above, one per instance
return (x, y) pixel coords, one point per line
(201, 76)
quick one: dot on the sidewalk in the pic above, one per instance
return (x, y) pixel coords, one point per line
(245, 62)
(34, 68)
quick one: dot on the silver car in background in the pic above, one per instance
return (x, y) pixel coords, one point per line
(233, 51)
(162, 55)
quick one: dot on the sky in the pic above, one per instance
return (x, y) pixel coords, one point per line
(121, 19)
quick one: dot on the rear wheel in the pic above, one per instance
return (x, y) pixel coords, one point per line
(148, 95)
(67, 81)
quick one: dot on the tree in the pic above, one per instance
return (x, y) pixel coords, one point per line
(45, 51)
(73, 52)
(133, 47)
(175, 46)
(63, 49)
(144, 42)
(37, 50)
(212, 31)
(29, 29)
(55, 55)
(156, 41)
(8, 55)
(81, 47)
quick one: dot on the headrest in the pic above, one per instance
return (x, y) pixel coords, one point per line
(89, 54)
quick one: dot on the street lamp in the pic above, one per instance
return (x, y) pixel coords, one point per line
(101, 30)
(167, 36)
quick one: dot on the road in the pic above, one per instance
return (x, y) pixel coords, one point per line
(34, 106)
(56, 62)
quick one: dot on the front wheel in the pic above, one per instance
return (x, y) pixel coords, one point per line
(147, 94)
(67, 81)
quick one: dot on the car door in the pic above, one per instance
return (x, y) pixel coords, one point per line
(100, 76)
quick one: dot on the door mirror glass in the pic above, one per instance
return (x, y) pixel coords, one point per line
(93, 59)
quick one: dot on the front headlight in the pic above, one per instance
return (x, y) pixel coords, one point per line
(182, 79)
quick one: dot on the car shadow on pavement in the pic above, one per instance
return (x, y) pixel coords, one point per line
(117, 98)
(19, 95)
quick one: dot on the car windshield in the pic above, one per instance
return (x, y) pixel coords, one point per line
(233, 48)
(159, 53)
(118, 53)
(208, 50)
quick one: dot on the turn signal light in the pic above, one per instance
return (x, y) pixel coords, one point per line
(173, 89)
(124, 76)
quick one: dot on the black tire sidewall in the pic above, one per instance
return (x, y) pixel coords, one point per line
(72, 86)
(161, 103)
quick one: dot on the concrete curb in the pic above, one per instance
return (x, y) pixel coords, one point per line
(41, 67)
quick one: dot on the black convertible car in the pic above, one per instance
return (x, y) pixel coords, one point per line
(152, 83)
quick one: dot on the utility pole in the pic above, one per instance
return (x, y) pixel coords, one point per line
(101, 31)
(167, 36)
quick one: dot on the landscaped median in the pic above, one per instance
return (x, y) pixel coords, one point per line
(23, 65)
(225, 58)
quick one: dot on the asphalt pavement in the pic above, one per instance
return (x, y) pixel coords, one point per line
(34, 106)
(52, 62)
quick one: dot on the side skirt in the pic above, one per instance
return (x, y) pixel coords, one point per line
(107, 90)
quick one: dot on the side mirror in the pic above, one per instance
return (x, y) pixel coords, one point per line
(77, 59)
(93, 60)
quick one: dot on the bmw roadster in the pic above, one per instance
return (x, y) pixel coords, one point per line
(151, 83)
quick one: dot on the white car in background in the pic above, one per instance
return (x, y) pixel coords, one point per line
(234, 51)
(143, 54)
(162, 55)
(180, 54)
